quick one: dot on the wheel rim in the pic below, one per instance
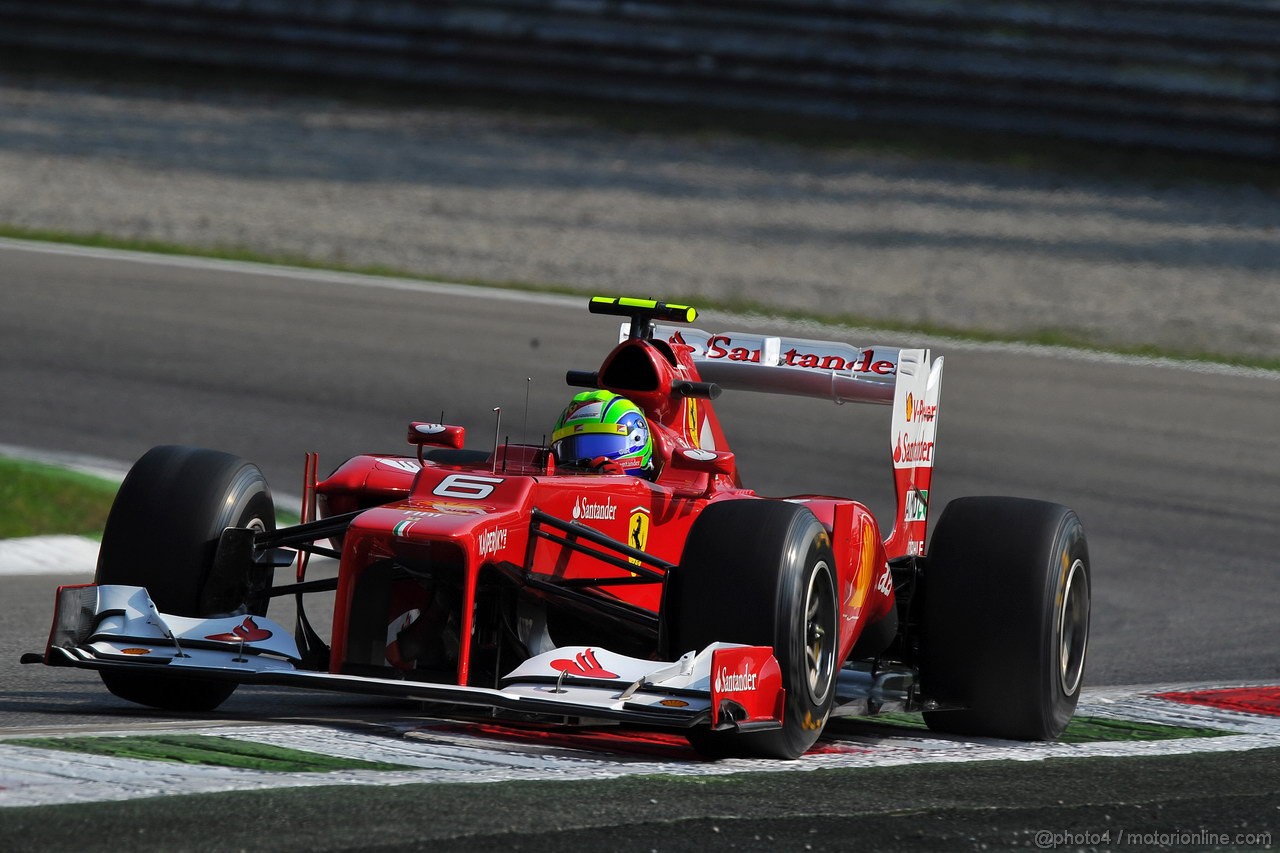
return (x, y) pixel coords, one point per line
(819, 633)
(1073, 628)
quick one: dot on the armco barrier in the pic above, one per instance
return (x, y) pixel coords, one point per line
(1198, 75)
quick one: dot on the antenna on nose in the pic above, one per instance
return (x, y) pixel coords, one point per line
(497, 431)
(524, 428)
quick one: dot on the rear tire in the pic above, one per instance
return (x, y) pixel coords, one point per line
(760, 573)
(161, 534)
(1006, 618)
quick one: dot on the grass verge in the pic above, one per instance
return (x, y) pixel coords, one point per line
(1040, 337)
(39, 500)
(45, 500)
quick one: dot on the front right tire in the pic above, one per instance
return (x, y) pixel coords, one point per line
(761, 573)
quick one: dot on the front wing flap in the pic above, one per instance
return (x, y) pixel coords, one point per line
(725, 685)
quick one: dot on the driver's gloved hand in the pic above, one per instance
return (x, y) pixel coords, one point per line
(605, 465)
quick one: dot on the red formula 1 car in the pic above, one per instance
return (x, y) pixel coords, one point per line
(531, 583)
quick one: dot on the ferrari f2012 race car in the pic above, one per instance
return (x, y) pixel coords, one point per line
(549, 583)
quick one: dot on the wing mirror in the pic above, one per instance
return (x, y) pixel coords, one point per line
(706, 461)
(436, 435)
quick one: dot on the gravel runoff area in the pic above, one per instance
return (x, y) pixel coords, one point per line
(463, 192)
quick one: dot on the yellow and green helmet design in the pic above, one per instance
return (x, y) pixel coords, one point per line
(603, 424)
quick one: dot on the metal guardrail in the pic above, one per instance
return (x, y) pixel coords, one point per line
(1200, 75)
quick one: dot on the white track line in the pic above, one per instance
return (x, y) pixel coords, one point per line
(574, 303)
(48, 555)
(437, 288)
(434, 752)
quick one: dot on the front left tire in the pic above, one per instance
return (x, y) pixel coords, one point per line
(161, 534)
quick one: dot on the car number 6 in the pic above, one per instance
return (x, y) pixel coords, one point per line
(466, 486)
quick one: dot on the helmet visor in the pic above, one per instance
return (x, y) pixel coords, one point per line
(574, 448)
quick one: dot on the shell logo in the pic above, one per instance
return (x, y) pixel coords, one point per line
(866, 566)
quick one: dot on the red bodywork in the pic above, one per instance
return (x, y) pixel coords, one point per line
(471, 519)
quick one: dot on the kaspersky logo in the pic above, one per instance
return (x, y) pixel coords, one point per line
(735, 682)
(492, 542)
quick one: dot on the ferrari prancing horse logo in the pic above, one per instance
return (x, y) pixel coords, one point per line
(638, 531)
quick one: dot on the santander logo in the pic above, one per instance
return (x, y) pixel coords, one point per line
(735, 682)
(907, 451)
(583, 508)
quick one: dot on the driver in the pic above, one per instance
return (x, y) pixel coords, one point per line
(606, 432)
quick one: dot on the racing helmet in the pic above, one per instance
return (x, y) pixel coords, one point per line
(603, 424)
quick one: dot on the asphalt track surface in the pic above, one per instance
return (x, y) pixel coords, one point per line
(1172, 470)
(1077, 803)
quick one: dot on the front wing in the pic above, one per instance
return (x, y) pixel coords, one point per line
(725, 686)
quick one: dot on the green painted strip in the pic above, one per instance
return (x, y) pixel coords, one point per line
(1094, 729)
(1080, 729)
(206, 749)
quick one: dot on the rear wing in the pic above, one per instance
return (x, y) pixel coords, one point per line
(907, 379)
(796, 366)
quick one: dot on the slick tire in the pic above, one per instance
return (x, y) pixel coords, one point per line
(1005, 618)
(761, 573)
(161, 534)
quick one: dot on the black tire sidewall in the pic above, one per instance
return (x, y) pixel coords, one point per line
(811, 545)
(1059, 706)
(744, 578)
(161, 534)
(989, 639)
(164, 525)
